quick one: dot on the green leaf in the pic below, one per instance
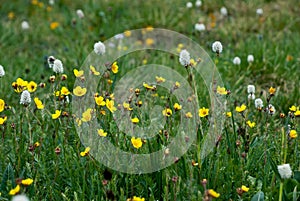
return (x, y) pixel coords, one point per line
(259, 196)
(8, 174)
(274, 167)
(295, 194)
(297, 175)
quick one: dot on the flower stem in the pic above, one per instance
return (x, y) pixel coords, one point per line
(280, 191)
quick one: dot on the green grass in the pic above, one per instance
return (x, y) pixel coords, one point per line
(243, 155)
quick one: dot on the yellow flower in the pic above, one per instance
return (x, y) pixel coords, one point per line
(102, 133)
(188, 115)
(34, 2)
(203, 112)
(37, 144)
(137, 199)
(177, 107)
(78, 91)
(213, 193)
(149, 41)
(27, 182)
(99, 100)
(127, 106)
(2, 120)
(54, 25)
(11, 15)
(38, 103)
(193, 62)
(136, 142)
(110, 105)
(177, 84)
(272, 90)
(127, 33)
(293, 108)
(135, 120)
(32, 86)
(78, 73)
(85, 152)
(78, 121)
(115, 67)
(87, 115)
(15, 190)
(245, 188)
(93, 70)
(144, 61)
(167, 112)
(56, 114)
(160, 79)
(241, 108)
(64, 77)
(64, 91)
(293, 134)
(221, 90)
(250, 124)
(147, 86)
(109, 81)
(2, 105)
(297, 113)
(228, 114)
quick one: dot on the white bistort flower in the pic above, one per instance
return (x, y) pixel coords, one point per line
(250, 58)
(51, 2)
(259, 11)
(189, 4)
(20, 198)
(258, 103)
(251, 89)
(217, 47)
(223, 11)
(184, 58)
(25, 25)
(58, 66)
(198, 3)
(2, 72)
(199, 27)
(25, 98)
(285, 171)
(236, 61)
(99, 48)
(251, 96)
(80, 13)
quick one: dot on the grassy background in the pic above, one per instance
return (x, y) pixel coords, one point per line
(270, 38)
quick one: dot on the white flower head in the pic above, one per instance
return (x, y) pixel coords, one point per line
(99, 48)
(20, 198)
(189, 4)
(251, 89)
(259, 11)
(25, 98)
(224, 11)
(58, 66)
(2, 72)
(250, 58)
(51, 60)
(119, 36)
(285, 171)
(271, 109)
(217, 47)
(258, 103)
(198, 3)
(251, 96)
(236, 61)
(199, 27)
(80, 13)
(184, 58)
(25, 25)
(51, 2)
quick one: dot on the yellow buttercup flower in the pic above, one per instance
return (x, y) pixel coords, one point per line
(293, 134)
(177, 107)
(221, 90)
(37, 144)
(135, 198)
(160, 79)
(127, 33)
(11, 15)
(3, 120)
(102, 133)
(136, 142)
(188, 115)
(78, 91)
(110, 105)
(32, 86)
(99, 100)
(228, 114)
(193, 62)
(203, 112)
(177, 84)
(250, 124)
(245, 188)
(64, 91)
(56, 114)
(54, 25)
(293, 108)
(135, 120)
(38, 103)
(87, 115)
(115, 67)
(93, 70)
(2, 105)
(149, 41)
(297, 113)
(167, 112)
(85, 152)
(272, 90)
(27, 182)
(15, 190)
(78, 73)
(241, 108)
(127, 106)
(147, 86)
(213, 193)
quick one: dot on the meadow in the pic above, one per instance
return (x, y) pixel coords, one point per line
(254, 155)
